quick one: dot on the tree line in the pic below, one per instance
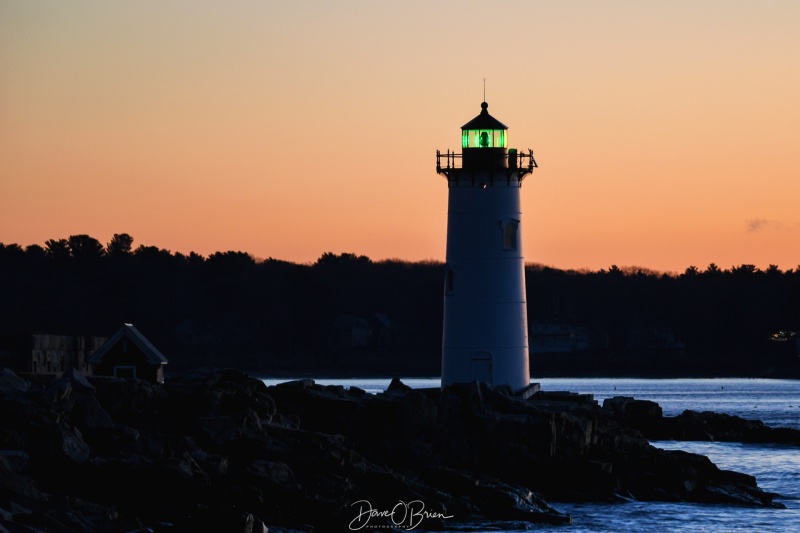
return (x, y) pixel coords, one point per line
(273, 316)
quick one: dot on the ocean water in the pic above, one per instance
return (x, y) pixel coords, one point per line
(776, 468)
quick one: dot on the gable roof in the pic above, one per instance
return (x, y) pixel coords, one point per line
(154, 357)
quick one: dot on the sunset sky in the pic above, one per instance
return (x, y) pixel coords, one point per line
(667, 133)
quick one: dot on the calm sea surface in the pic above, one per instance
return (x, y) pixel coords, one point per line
(777, 468)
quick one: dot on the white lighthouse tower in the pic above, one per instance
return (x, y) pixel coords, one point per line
(485, 316)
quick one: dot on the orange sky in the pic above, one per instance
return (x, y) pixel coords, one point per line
(667, 133)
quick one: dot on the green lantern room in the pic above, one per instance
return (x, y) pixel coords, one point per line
(484, 141)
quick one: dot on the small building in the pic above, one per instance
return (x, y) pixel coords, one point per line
(558, 338)
(382, 328)
(128, 354)
(352, 333)
(47, 354)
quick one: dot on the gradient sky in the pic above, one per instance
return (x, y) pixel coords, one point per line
(667, 133)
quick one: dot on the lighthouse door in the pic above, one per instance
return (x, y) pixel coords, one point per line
(482, 366)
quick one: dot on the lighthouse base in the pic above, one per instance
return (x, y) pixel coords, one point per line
(500, 366)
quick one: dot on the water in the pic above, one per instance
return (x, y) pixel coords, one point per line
(777, 468)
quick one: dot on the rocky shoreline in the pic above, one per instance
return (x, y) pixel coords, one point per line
(217, 450)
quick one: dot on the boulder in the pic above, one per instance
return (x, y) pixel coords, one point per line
(10, 383)
(397, 386)
(15, 480)
(274, 474)
(88, 414)
(630, 407)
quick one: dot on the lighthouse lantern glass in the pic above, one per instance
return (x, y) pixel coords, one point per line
(483, 139)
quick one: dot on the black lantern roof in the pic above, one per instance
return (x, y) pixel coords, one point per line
(484, 121)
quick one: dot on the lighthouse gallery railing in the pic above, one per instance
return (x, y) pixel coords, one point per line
(514, 160)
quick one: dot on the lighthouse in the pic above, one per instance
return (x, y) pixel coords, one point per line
(485, 335)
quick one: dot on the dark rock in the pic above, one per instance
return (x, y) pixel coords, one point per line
(275, 474)
(78, 381)
(644, 415)
(217, 450)
(10, 383)
(396, 385)
(510, 502)
(696, 426)
(224, 429)
(356, 392)
(627, 406)
(295, 386)
(14, 478)
(228, 519)
(73, 445)
(88, 414)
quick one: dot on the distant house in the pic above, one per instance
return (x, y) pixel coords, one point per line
(381, 328)
(46, 354)
(654, 339)
(784, 344)
(128, 354)
(557, 338)
(350, 333)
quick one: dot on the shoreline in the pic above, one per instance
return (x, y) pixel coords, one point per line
(216, 446)
(329, 375)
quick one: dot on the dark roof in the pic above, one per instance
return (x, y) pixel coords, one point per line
(484, 121)
(154, 357)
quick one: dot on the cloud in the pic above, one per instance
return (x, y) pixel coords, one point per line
(756, 224)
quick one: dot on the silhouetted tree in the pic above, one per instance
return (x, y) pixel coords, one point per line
(152, 253)
(8, 250)
(121, 245)
(230, 262)
(58, 248)
(83, 247)
(745, 270)
(35, 251)
(329, 259)
(691, 271)
(231, 309)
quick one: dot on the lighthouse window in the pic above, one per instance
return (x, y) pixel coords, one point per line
(483, 139)
(448, 284)
(510, 234)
